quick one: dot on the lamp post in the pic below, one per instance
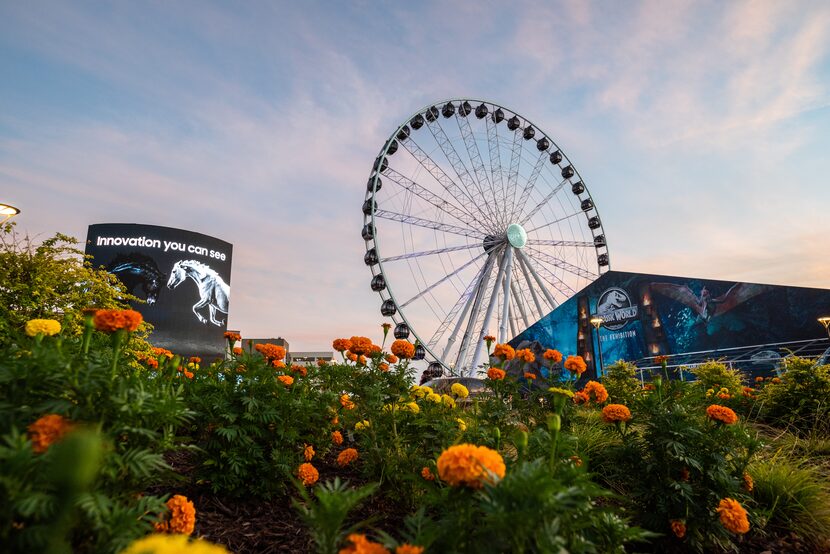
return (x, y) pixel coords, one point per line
(596, 321)
(7, 212)
(825, 320)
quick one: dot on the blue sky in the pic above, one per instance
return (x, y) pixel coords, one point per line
(701, 128)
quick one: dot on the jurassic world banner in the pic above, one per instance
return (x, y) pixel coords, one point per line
(645, 315)
(183, 276)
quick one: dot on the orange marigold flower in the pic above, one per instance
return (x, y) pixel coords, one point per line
(374, 349)
(722, 414)
(661, 359)
(237, 350)
(597, 391)
(308, 452)
(427, 474)
(182, 517)
(403, 349)
(504, 351)
(724, 396)
(335, 420)
(188, 374)
(407, 548)
(362, 545)
(776, 381)
(530, 376)
(576, 460)
(232, 337)
(47, 430)
(759, 379)
(286, 380)
(749, 483)
(301, 369)
(321, 362)
(648, 386)
(195, 360)
(385, 327)
(391, 358)
(678, 528)
(526, 355)
(361, 359)
(346, 402)
(684, 474)
(279, 364)
(341, 345)
(581, 398)
(614, 413)
(270, 351)
(575, 364)
(337, 438)
(383, 366)
(496, 374)
(554, 356)
(489, 338)
(361, 345)
(733, 516)
(351, 356)
(110, 321)
(162, 352)
(470, 465)
(307, 473)
(346, 457)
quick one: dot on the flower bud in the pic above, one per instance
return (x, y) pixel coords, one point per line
(554, 423)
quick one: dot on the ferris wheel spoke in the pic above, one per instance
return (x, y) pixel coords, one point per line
(460, 169)
(519, 206)
(508, 273)
(533, 294)
(525, 261)
(482, 180)
(495, 168)
(441, 280)
(429, 224)
(430, 252)
(515, 160)
(424, 194)
(577, 243)
(554, 222)
(544, 201)
(570, 268)
(439, 175)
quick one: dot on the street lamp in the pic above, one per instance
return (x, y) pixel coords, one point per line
(825, 320)
(596, 321)
(7, 212)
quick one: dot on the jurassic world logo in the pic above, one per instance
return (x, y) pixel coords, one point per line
(615, 308)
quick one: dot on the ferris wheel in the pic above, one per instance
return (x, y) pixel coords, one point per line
(476, 223)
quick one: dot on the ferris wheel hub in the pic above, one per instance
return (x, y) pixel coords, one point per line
(516, 235)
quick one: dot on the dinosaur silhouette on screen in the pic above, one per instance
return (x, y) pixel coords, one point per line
(213, 291)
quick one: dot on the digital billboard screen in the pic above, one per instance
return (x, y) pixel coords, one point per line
(183, 277)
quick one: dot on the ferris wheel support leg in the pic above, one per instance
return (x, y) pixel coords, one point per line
(479, 297)
(512, 323)
(520, 304)
(530, 287)
(505, 315)
(539, 281)
(494, 296)
(484, 275)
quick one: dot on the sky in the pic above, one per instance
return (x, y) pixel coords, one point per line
(702, 129)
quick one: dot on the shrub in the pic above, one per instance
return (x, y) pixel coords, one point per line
(801, 400)
(621, 381)
(717, 375)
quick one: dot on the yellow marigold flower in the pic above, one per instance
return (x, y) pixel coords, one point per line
(563, 392)
(407, 548)
(48, 327)
(337, 437)
(448, 400)
(749, 483)
(47, 430)
(462, 425)
(526, 355)
(308, 452)
(470, 465)
(182, 517)
(432, 397)
(504, 351)
(723, 390)
(172, 544)
(427, 474)
(596, 390)
(496, 374)
(361, 425)
(614, 413)
(733, 516)
(362, 545)
(459, 390)
(286, 380)
(346, 457)
(710, 392)
(426, 390)
(110, 321)
(308, 474)
(388, 408)
(678, 528)
(722, 414)
(412, 407)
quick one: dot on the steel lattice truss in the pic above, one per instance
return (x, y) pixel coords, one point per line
(476, 223)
